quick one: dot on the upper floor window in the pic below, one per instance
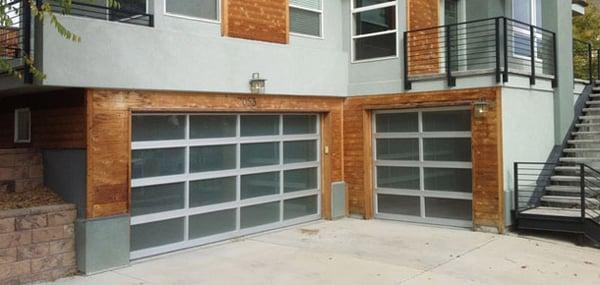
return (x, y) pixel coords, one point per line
(128, 9)
(374, 32)
(306, 17)
(194, 9)
(527, 12)
(22, 125)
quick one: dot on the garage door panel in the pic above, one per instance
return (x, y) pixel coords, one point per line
(212, 191)
(230, 175)
(153, 128)
(423, 165)
(157, 198)
(157, 162)
(213, 126)
(212, 158)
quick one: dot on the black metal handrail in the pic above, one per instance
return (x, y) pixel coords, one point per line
(532, 178)
(15, 37)
(127, 12)
(497, 45)
(583, 61)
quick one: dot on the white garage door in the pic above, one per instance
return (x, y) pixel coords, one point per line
(200, 178)
(422, 167)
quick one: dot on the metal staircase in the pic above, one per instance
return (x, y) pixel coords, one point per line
(563, 194)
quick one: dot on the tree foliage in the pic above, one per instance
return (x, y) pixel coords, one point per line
(40, 10)
(586, 28)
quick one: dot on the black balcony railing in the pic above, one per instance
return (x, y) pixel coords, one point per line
(583, 61)
(128, 11)
(15, 37)
(497, 45)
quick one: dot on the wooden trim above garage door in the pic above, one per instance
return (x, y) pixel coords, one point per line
(488, 209)
(108, 140)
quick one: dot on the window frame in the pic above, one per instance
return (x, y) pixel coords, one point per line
(353, 37)
(321, 21)
(533, 20)
(217, 21)
(16, 125)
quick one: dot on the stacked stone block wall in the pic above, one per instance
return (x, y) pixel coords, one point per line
(21, 169)
(37, 244)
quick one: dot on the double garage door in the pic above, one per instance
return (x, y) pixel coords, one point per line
(422, 166)
(200, 178)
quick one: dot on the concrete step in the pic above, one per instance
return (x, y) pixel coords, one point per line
(592, 102)
(564, 189)
(585, 118)
(591, 109)
(586, 133)
(567, 168)
(595, 95)
(579, 159)
(578, 141)
(570, 200)
(569, 188)
(565, 178)
(575, 150)
(581, 125)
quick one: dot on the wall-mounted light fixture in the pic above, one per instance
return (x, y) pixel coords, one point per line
(480, 109)
(257, 84)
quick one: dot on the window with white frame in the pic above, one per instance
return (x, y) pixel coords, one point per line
(22, 125)
(194, 9)
(374, 29)
(526, 12)
(306, 17)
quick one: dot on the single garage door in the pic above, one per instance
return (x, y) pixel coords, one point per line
(201, 178)
(422, 167)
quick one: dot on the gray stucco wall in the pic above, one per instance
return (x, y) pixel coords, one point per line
(65, 173)
(191, 55)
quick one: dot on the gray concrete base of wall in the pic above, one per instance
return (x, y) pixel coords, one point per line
(102, 244)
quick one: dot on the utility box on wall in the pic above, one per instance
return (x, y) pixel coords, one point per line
(338, 200)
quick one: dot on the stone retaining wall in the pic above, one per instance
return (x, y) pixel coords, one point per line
(37, 244)
(21, 169)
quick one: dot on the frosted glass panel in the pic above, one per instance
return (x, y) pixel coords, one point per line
(299, 151)
(299, 207)
(202, 127)
(147, 128)
(259, 154)
(399, 205)
(448, 179)
(447, 149)
(399, 122)
(212, 191)
(397, 149)
(398, 177)
(212, 158)
(205, 9)
(159, 198)
(255, 185)
(157, 162)
(300, 179)
(261, 214)
(448, 208)
(156, 233)
(299, 124)
(212, 223)
(259, 125)
(447, 121)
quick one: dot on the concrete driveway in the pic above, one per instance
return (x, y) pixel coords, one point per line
(352, 251)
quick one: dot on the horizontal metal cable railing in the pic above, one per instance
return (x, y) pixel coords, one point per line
(130, 12)
(531, 180)
(583, 61)
(14, 33)
(495, 45)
